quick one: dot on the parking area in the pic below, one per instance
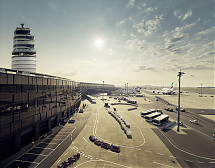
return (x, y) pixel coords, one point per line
(38, 153)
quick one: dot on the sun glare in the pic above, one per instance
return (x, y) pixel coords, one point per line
(99, 42)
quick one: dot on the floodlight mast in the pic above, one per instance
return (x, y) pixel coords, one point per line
(179, 93)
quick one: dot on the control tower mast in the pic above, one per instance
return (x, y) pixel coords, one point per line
(23, 54)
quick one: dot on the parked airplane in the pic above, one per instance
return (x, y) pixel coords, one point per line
(168, 91)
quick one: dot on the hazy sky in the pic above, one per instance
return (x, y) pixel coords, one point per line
(138, 42)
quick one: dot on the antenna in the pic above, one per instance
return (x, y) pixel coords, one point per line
(22, 25)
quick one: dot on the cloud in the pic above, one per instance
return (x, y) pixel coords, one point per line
(181, 16)
(135, 44)
(121, 22)
(145, 68)
(150, 9)
(148, 27)
(131, 3)
(207, 31)
(132, 35)
(187, 15)
(185, 28)
(177, 38)
(178, 14)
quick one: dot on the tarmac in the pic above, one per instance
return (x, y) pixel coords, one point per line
(191, 100)
(145, 149)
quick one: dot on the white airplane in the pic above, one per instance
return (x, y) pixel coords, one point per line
(168, 90)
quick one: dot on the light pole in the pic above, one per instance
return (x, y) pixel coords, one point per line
(127, 88)
(179, 93)
(103, 92)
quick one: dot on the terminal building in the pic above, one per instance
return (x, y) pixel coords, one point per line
(31, 105)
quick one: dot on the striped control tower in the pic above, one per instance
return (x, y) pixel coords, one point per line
(24, 54)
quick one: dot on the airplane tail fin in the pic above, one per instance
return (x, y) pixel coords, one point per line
(171, 86)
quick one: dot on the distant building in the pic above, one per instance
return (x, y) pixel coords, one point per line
(24, 54)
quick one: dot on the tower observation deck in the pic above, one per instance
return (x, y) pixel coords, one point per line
(23, 54)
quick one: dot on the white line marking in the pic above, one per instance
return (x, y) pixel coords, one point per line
(58, 161)
(36, 154)
(85, 140)
(66, 153)
(43, 148)
(26, 161)
(160, 154)
(148, 151)
(202, 133)
(173, 157)
(49, 143)
(212, 162)
(188, 160)
(186, 151)
(64, 132)
(162, 164)
(55, 139)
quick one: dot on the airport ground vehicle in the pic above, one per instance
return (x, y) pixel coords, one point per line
(93, 102)
(114, 108)
(128, 133)
(169, 109)
(107, 105)
(71, 121)
(97, 142)
(143, 114)
(105, 145)
(71, 161)
(92, 138)
(181, 109)
(115, 148)
(180, 123)
(194, 121)
(150, 117)
(160, 119)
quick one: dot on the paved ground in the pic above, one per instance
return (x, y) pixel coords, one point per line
(145, 149)
(191, 100)
(193, 146)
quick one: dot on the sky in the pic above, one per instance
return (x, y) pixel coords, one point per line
(139, 42)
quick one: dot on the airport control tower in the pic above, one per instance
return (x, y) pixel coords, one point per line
(24, 54)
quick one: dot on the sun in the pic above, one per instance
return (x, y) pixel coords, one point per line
(99, 43)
